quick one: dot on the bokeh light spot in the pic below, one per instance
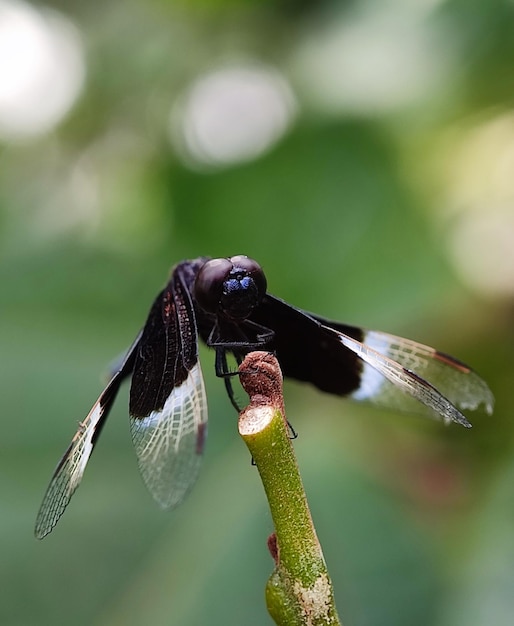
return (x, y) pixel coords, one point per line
(483, 251)
(479, 208)
(370, 60)
(231, 115)
(42, 69)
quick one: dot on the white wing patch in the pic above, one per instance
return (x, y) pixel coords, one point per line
(169, 442)
(372, 380)
(68, 473)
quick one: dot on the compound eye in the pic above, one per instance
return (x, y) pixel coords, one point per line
(252, 269)
(208, 287)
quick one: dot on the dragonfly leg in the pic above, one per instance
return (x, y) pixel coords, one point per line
(222, 371)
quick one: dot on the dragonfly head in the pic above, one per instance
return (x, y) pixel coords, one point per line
(230, 287)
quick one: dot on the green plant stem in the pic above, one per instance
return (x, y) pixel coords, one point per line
(299, 591)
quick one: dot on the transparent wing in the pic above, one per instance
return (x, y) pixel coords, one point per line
(455, 380)
(169, 442)
(70, 469)
(68, 473)
(416, 371)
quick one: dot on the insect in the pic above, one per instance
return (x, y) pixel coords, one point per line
(225, 303)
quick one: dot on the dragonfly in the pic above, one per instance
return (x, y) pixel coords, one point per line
(225, 303)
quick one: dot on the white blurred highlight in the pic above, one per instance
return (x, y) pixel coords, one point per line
(482, 248)
(371, 59)
(480, 204)
(42, 69)
(231, 115)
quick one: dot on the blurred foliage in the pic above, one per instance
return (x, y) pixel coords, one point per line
(346, 216)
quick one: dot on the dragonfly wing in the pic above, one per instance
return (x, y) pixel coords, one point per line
(168, 405)
(70, 469)
(371, 366)
(452, 378)
(406, 381)
(169, 441)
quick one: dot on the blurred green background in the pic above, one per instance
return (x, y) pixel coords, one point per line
(363, 153)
